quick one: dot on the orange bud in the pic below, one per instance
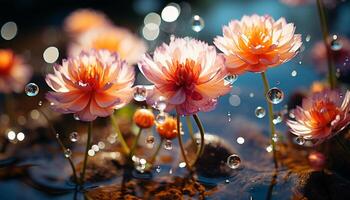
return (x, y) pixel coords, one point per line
(168, 129)
(144, 118)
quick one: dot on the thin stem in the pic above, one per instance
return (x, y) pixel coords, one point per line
(120, 135)
(134, 145)
(189, 167)
(272, 126)
(325, 34)
(88, 144)
(201, 132)
(154, 156)
(63, 148)
(190, 129)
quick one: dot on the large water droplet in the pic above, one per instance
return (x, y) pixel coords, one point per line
(275, 95)
(31, 89)
(168, 145)
(260, 112)
(336, 45)
(73, 136)
(67, 153)
(197, 23)
(140, 93)
(230, 79)
(233, 161)
(160, 104)
(160, 118)
(300, 140)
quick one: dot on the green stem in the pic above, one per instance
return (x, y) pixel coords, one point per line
(63, 148)
(189, 167)
(190, 130)
(134, 145)
(88, 144)
(201, 132)
(120, 135)
(325, 34)
(270, 110)
(154, 156)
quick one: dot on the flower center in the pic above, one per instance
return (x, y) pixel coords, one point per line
(324, 112)
(90, 76)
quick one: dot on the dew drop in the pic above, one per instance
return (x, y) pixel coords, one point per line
(336, 45)
(160, 104)
(233, 161)
(158, 169)
(40, 103)
(308, 38)
(197, 23)
(240, 140)
(67, 153)
(160, 118)
(294, 73)
(230, 79)
(300, 140)
(251, 95)
(150, 140)
(277, 118)
(260, 112)
(140, 93)
(31, 89)
(73, 136)
(274, 95)
(168, 145)
(275, 137)
(269, 148)
(91, 152)
(229, 116)
(76, 117)
(57, 135)
(300, 62)
(227, 181)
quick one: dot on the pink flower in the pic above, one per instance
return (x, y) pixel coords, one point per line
(256, 43)
(14, 74)
(83, 20)
(91, 85)
(321, 116)
(115, 39)
(188, 73)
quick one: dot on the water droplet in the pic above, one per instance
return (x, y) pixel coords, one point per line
(229, 116)
(101, 145)
(95, 148)
(31, 89)
(300, 140)
(234, 100)
(308, 38)
(240, 140)
(294, 73)
(76, 117)
(300, 62)
(160, 118)
(197, 23)
(73, 136)
(260, 112)
(168, 145)
(150, 140)
(182, 164)
(227, 181)
(67, 153)
(251, 95)
(40, 103)
(274, 95)
(275, 138)
(233, 161)
(277, 118)
(230, 79)
(158, 169)
(57, 135)
(269, 148)
(160, 104)
(140, 93)
(336, 45)
(91, 152)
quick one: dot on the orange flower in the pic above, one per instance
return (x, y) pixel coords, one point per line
(14, 74)
(257, 42)
(144, 118)
(82, 20)
(91, 85)
(318, 86)
(114, 39)
(168, 129)
(321, 116)
(188, 73)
